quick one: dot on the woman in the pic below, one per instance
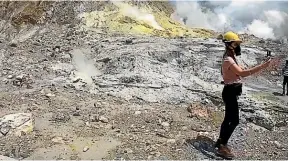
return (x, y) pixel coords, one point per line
(232, 74)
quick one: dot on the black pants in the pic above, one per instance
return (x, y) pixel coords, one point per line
(230, 96)
(285, 82)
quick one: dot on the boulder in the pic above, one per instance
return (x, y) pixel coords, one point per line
(16, 124)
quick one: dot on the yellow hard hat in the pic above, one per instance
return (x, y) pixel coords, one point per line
(231, 36)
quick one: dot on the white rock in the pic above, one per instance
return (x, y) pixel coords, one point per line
(18, 123)
(10, 76)
(85, 149)
(20, 77)
(50, 95)
(103, 119)
(66, 56)
(87, 124)
(57, 49)
(278, 145)
(137, 112)
(184, 128)
(58, 140)
(263, 142)
(128, 150)
(207, 101)
(165, 124)
(171, 141)
(93, 118)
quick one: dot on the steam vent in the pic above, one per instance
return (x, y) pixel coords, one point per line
(138, 80)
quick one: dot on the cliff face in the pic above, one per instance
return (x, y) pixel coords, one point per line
(20, 12)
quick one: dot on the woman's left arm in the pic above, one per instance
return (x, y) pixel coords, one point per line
(241, 67)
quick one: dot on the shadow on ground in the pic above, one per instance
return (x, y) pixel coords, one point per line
(277, 94)
(205, 145)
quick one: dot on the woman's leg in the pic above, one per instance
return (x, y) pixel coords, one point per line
(230, 122)
(231, 119)
(286, 78)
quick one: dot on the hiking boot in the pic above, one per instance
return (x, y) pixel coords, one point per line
(224, 152)
(228, 149)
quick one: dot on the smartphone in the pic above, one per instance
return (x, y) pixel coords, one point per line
(268, 56)
(269, 53)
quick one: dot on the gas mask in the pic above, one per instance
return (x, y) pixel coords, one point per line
(237, 50)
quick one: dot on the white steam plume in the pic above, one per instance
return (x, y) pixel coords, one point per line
(85, 67)
(265, 19)
(136, 14)
(261, 29)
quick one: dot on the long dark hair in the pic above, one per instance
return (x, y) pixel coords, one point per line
(228, 52)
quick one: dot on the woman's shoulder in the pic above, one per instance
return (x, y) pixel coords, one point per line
(229, 59)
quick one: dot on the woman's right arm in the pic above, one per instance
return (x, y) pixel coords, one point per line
(244, 73)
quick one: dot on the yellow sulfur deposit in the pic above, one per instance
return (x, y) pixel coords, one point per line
(130, 19)
(142, 29)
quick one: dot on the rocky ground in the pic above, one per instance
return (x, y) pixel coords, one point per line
(81, 94)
